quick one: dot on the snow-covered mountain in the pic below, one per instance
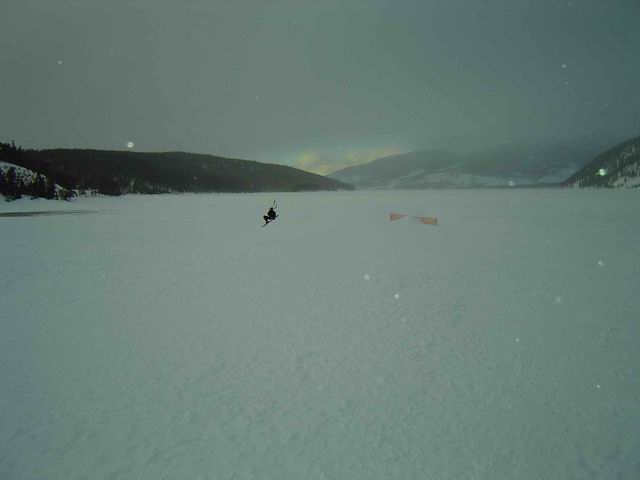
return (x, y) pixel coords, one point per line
(23, 175)
(16, 181)
(524, 164)
(615, 168)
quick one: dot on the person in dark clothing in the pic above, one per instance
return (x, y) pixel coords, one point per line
(271, 215)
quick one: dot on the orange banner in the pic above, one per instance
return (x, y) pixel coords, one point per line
(396, 216)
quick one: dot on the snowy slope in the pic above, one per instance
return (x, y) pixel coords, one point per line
(24, 174)
(519, 164)
(618, 167)
(172, 337)
(421, 179)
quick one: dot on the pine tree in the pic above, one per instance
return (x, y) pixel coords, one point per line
(3, 183)
(11, 176)
(13, 185)
(39, 187)
(50, 189)
(66, 194)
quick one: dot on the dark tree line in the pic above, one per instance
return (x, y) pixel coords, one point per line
(14, 187)
(124, 172)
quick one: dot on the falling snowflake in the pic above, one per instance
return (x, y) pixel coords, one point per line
(558, 299)
(367, 277)
(600, 263)
(130, 145)
(512, 183)
(397, 296)
(602, 172)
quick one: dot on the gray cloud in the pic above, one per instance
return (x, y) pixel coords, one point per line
(336, 80)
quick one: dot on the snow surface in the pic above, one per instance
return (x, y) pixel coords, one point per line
(171, 337)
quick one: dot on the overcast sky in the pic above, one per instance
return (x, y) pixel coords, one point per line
(316, 84)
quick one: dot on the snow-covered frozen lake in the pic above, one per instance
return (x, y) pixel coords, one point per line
(170, 337)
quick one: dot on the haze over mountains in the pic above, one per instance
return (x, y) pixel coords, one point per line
(531, 163)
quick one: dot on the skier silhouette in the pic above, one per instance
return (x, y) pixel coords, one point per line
(271, 214)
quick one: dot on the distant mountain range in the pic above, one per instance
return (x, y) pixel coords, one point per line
(62, 173)
(523, 164)
(615, 168)
(121, 172)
